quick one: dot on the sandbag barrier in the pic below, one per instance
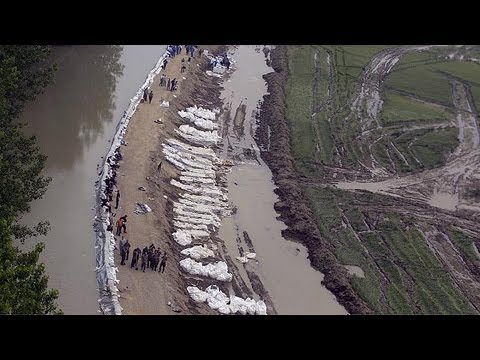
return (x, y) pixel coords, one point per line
(105, 240)
(200, 205)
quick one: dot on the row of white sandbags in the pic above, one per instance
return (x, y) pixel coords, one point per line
(185, 237)
(202, 207)
(217, 300)
(184, 210)
(201, 199)
(194, 220)
(191, 134)
(201, 112)
(198, 252)
(197, 121)
(186, 162)
(195, 150)
(210, 191)
(200, 158)
(218, 271)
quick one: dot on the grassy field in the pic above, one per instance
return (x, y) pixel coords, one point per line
(464, 243)
(321, 87)
(402, 275)
(403, 110)
(423, 82)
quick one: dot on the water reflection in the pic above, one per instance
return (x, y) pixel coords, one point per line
(83, 101)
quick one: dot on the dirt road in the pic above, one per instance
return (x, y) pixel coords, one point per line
(150, 292)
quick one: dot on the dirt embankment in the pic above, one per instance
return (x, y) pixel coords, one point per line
(273, 134)
(150, 292)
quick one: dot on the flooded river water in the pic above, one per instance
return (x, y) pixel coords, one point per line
(74, 120)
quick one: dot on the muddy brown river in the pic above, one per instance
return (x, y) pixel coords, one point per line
(282, 266)
(74, 120)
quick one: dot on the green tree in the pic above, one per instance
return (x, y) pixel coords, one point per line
(24, 73)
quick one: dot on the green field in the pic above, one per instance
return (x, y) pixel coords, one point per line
(402, 275)
(319, 119)
(399, 110)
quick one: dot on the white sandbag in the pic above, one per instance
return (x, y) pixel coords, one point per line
(261, 308)
(201, 112)
(218, 271)
(196, 294)
(251, 306)
(165, 104)
(224, 309)
(242, 259)
(211, 73)
(251, 255)
(198, 252)
(182, 237)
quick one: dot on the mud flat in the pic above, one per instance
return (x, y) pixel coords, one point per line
(280, 272)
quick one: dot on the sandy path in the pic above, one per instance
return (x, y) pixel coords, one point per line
(149, 292)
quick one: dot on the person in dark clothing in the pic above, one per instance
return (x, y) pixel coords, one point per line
(183, 60)
(126, 248)
(145, 95)
(189, 58)
(123, 252)
(168, 84)
(124, 223)
(150, 96)
(117, 199)
(163, 262)
(144, 261)
(135, 258)
(183, 68)
(156, 259)
(110, 228)
(173, 86)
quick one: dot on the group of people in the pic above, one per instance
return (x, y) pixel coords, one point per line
(149, 257)
(111, 181)
(147, 95)
(190, 49)
(174, 50)
(170, 84)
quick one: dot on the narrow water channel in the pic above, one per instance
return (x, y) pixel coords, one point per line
(283, 268)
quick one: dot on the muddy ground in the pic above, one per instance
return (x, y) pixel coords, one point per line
(150, 292)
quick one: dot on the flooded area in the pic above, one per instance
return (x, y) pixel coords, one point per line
(282, 266)
(444, 201)
(74, 122)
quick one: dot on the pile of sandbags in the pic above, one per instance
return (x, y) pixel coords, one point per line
(198, 252)
(218, 271)
(217, 300)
